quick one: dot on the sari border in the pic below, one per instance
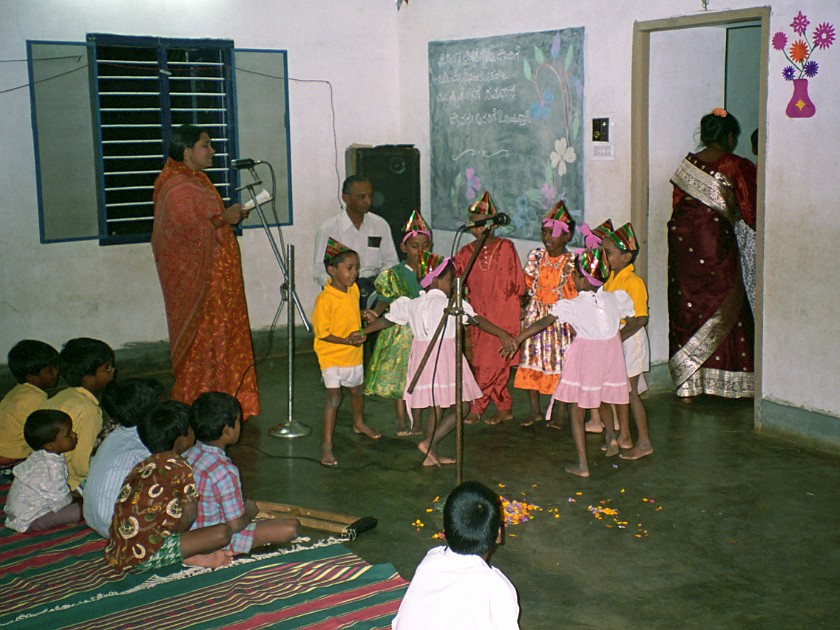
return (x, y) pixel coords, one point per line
(723, 383)
(713, 189)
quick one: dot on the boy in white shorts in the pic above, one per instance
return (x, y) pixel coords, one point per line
(337, 323)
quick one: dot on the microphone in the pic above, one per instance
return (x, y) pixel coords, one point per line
(241, 163)
(496, 219)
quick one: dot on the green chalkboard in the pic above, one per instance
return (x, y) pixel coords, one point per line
(507, 117)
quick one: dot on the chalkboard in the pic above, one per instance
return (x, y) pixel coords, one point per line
(506, 116)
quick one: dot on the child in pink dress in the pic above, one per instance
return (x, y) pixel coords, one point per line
(436, 384)
(594, 374)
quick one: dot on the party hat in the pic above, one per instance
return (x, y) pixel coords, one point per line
(624, 238)
(431, 266)
(414, 226)
(484, 205)
(592, 263)
(558, 219)
(334, 248)
(592, 237)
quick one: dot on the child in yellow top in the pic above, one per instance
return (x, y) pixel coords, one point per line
(337, 324)
(87, 366)
(622, 248)
(34, 364)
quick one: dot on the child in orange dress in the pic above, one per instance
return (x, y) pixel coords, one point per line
(548, 278)
(495, 286)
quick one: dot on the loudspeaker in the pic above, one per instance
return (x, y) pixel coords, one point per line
(394, 171)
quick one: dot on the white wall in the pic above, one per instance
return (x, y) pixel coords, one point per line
(376, 60)
(58, 291)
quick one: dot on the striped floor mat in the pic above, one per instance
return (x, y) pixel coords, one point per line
(59, 580)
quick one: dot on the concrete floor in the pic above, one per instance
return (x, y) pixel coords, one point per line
(724, 528)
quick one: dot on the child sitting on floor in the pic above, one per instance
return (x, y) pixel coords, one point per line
(157, 503)
(435, 386)
(87, 366)
(455, 586)
(34, 364)
(217, 421)
(40, 498)
(337, 323)
(621, 248)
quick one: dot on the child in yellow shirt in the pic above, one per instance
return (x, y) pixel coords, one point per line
(34, 364)
(337, 324)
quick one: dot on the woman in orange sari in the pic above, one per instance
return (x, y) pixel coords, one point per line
(200, 272)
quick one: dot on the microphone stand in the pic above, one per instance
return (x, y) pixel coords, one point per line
(455, 307)
(290, 428)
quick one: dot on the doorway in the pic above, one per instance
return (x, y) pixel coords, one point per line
(687, 58)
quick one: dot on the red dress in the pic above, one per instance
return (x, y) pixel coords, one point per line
(710, 322)
(495, 285)
(200, 273)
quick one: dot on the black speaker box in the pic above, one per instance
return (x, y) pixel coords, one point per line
(394, 171)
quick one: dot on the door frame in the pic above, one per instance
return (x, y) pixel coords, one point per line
(640, 149)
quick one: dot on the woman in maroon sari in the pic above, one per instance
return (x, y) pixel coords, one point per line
(200, 272)
(711, 325)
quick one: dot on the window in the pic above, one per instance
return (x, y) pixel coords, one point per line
(102, 115)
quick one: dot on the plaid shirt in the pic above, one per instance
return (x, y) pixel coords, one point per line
(218, 484)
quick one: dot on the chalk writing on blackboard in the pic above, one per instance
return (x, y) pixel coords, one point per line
(506, 114)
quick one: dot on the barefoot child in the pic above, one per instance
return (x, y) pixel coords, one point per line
(337, 323)
(157, 504)
(621, 248)
(594, 375)
(385, 373)
(40, 498)
(548, 278)
(436, 385)
(495, 285)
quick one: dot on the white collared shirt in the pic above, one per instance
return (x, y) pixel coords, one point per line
(423, 314)
(372, 241)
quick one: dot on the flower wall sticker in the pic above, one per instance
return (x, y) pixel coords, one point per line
(798, 51)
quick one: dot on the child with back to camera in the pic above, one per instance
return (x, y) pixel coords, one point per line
(455, 586)
(436, 385)
(337, 324)
(157, 503)
(40, 498)
(594, 375)
(87, 366)
(34, 364)
(495, 285)
(621, 248)
(217, 421)
(548, 278)
(386, 371)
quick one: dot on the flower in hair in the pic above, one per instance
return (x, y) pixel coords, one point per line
(719, 111)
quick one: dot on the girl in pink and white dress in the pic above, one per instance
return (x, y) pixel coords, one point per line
(436, 385)
(594, 374)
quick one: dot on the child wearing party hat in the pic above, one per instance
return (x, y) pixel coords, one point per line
(435, 386)
(622, 248)
(594, 374)
(548, 278)
(495, 287)
(592, 237)
(386, 370)
(337, 325)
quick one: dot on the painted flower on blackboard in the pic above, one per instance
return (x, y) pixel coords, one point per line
(541, 110)
(473, 183)
(548, 194)
(563, 153)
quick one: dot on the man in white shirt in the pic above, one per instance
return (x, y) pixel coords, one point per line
(368, 234)
(455, 586)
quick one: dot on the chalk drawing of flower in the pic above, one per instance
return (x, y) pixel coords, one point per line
(800, 23)
(824, 36)
(549, 194)
(473, 183)
(562, 154)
